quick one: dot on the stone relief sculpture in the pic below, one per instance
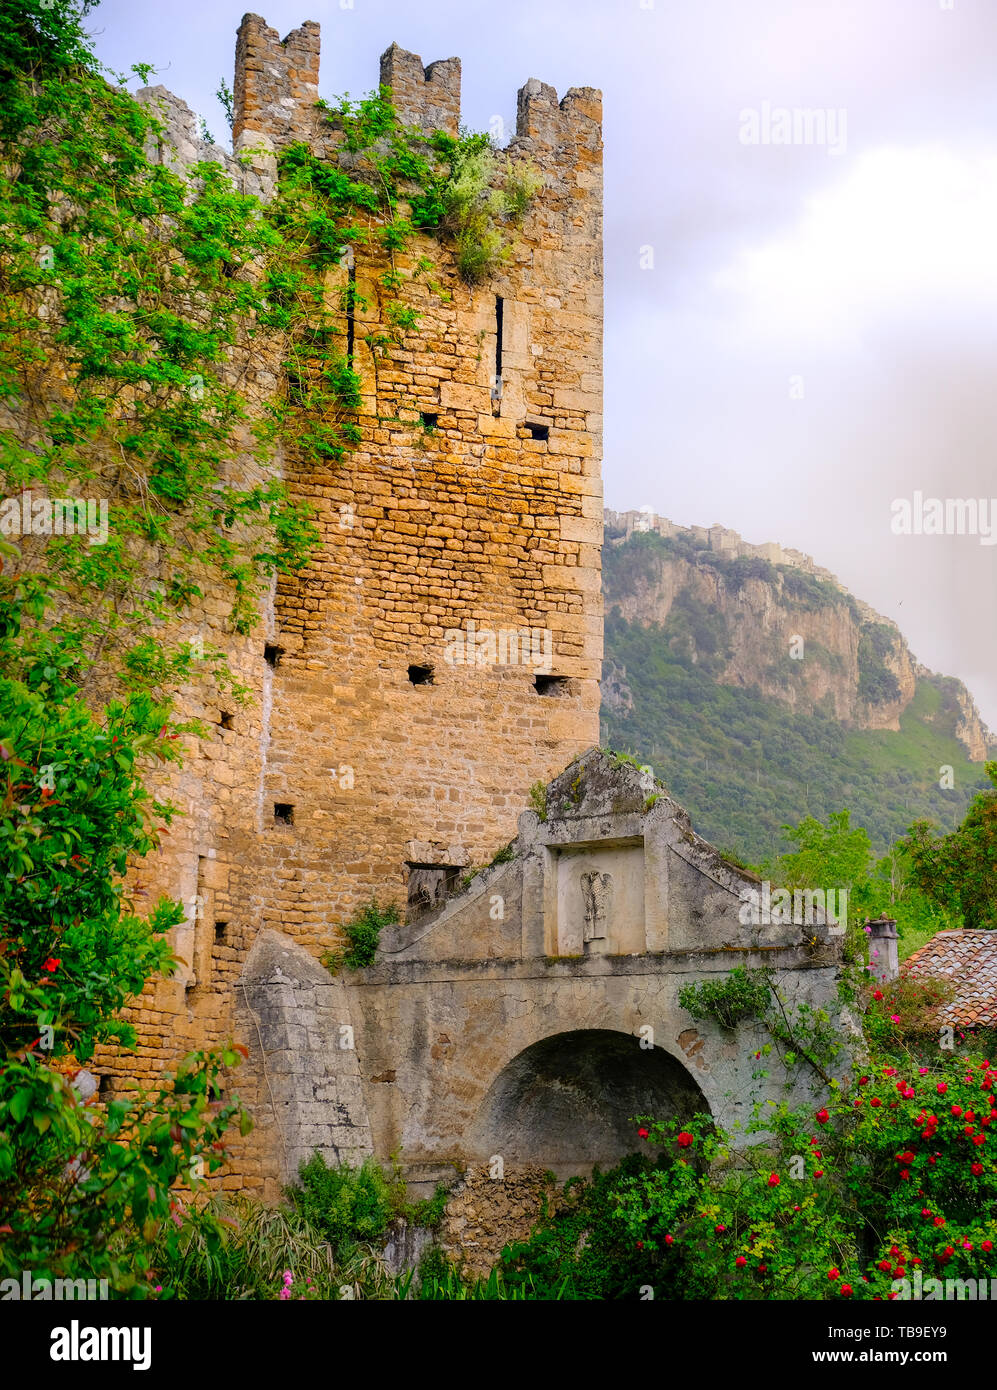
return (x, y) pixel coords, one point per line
(597, 896)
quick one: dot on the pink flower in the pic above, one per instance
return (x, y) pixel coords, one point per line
(941, 1088)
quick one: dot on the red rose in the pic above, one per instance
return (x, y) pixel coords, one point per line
(822, 1117)
(957, 1110)
(834, 1272)
(51, 964)
(684, 1139)
(939, 1220)
(941, 1088)
(643, 1133)
(875, 1101)
(986, 1245)
(877, 994)
(846, 1290)
(740, 1261)
(885, 1266)
(863, 1080)
(669, 1240)
(773, 1180)
(976, 1169)
(819, 1173)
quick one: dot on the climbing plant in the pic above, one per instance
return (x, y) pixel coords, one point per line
(135, 300)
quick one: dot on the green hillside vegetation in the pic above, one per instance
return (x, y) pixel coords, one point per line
(742, 764)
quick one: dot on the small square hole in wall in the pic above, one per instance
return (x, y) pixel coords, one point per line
(283, 813)
(537, 431)
(105, 1091)
(430, 420)
(420, 675)
(221, 933)
(551, 685)
(225, 720)
(272, 654)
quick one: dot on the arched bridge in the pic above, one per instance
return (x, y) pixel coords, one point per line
(537, 1012)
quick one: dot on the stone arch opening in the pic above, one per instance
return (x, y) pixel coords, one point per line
(567, 1102)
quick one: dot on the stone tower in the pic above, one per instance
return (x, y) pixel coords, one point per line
(441, 652)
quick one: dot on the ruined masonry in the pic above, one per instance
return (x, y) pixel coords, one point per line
(503, 1016)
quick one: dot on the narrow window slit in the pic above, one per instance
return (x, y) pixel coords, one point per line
(221, 933)
(497, 380)
(272, 654)
(351, 297)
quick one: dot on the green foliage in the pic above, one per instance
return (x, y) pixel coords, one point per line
(538, 799)
(958, 872)
(236, 1248)
(363, 933)
(744, 764)
(84, 1190)
(429, 1211)
(347, 1206)
(877, 683)
(580, 1249)
(835, 855)
(224, 94)
(739, 995)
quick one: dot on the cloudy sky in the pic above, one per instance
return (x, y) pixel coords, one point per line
(797, 334)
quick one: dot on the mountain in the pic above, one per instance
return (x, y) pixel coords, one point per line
(761, 691)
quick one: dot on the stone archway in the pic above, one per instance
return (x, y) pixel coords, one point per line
(567, 1101)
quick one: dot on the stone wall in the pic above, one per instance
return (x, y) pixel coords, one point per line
(366, 755)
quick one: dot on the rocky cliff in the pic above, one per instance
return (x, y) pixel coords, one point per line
(769, 619)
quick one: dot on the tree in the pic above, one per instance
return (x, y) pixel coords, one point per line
(83, 1188)
(959, 871)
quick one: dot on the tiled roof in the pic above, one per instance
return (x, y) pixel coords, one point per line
(969, 960)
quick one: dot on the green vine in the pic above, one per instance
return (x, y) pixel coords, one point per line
(805, 1032)
(132, 299)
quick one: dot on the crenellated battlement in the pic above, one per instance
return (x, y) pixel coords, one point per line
(541, 118)
(276, 82)
(276, 88)
(424, 97)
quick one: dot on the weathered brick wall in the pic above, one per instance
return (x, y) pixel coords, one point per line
(423, 531)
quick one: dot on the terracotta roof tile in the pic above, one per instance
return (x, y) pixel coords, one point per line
(969, 960)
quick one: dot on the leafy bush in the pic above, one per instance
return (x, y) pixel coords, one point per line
(239, 1248)
(347, 1206)
(739, 995)
(363, 934)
